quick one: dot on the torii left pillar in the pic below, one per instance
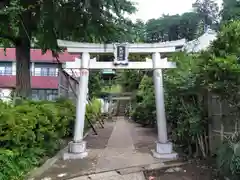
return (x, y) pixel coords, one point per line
(77, 148)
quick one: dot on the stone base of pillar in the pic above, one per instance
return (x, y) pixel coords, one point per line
(76, 150)
(164, 151)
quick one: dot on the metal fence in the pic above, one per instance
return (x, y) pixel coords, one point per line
(67, 85)
(224, 121)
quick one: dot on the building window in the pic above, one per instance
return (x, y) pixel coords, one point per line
(46, 72)
(43, 69)
(53, 71)
(37, 72)
(44, 94)
(35, 95)
(52, 94)
(5, 68)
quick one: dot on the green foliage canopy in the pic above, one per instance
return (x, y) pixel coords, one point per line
(231, 10)
(174, 27)
(41, 22)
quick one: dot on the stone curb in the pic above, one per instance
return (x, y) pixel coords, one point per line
(132, 169)
(50, 162)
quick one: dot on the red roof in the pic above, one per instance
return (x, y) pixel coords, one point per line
(37, 82)
(37, 56)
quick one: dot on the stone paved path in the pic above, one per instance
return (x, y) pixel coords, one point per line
(120, 151)
(113, 176)
(121, 144)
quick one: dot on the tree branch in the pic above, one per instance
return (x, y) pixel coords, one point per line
(4, 3)
(8, 37)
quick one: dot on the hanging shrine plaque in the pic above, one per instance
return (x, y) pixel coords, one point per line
(121, 54)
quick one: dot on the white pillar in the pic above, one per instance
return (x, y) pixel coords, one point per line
(159, 98)
(32, 69)
(13, 68)
(77, 148)
(82, 97)
(163, 147)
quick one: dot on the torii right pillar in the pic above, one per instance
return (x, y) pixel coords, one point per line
(164, 148)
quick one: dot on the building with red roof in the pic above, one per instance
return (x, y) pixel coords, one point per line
(44, 71)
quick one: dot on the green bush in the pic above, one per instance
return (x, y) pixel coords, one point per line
(32, 131)
(144, 109)
(93, 112)
(93, 109)
(228, 159)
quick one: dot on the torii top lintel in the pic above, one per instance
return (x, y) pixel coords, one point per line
(161, 47)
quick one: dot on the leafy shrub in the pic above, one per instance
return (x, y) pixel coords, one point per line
(32, 131)
(144, 109)
(93, 111)
(228, 157)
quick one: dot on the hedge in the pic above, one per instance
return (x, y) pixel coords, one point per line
(33, 131)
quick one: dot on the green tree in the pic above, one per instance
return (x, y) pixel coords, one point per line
(95, 83)
(231, 10)
(208, 10)
(139, 31)
(189, 22)
(174, 27)
(144, 109)
(158, 30)
(42, 22)
(129, 80)
(228, 40)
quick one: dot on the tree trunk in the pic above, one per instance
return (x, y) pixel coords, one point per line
(23, 77)
(23, 47)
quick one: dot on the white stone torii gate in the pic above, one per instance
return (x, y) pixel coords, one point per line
(77, 148)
